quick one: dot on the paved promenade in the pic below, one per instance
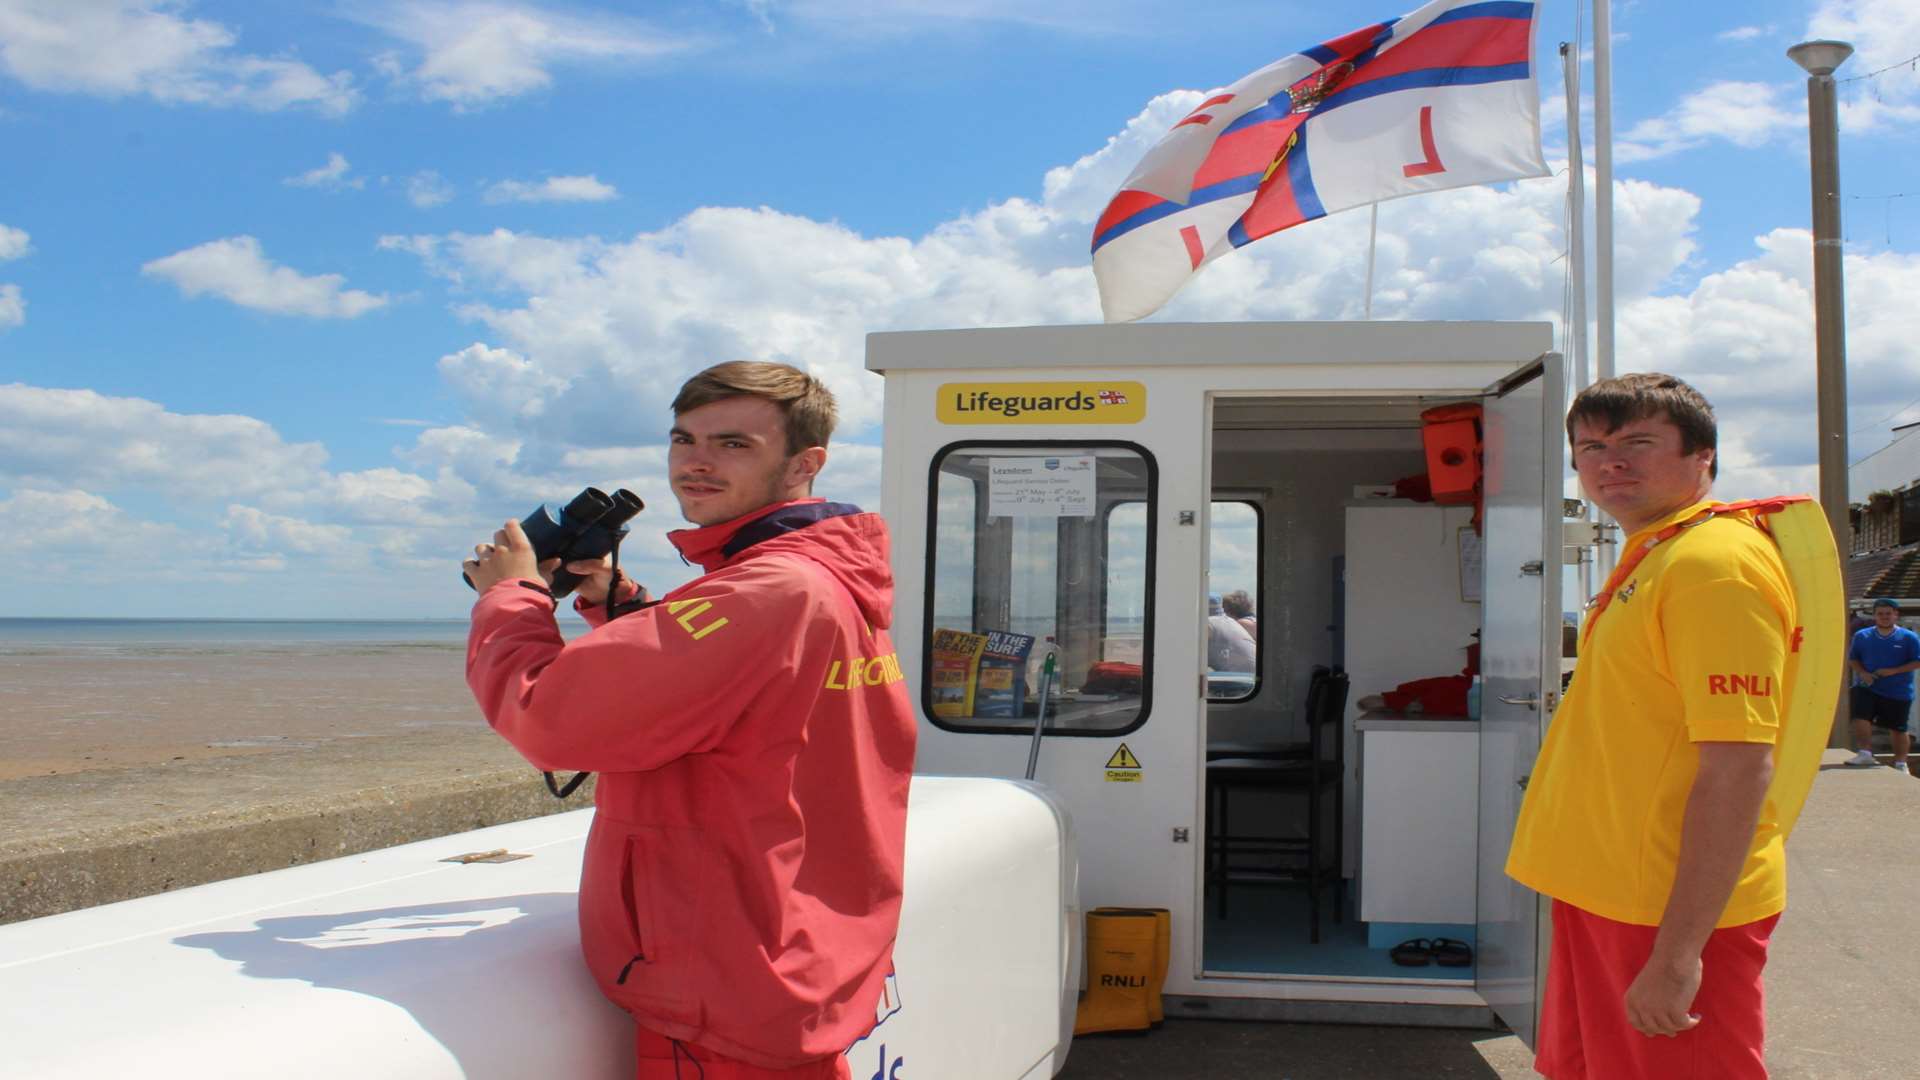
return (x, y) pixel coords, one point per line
(80, 839)
(1841, 984)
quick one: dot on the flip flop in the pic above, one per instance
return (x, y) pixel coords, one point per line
(1417, 952)
(1450, 953)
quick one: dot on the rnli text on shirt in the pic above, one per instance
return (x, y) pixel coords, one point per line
(1751, 685)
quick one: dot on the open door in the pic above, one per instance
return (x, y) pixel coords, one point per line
(1520, 667)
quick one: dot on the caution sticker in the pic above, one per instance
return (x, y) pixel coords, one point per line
(1123, 767)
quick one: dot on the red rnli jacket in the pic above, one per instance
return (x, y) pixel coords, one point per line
(754, 741)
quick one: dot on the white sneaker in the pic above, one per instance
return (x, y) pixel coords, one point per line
(1863, 757)
(1902, 766)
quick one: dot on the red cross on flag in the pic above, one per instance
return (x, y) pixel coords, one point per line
(1440, 98)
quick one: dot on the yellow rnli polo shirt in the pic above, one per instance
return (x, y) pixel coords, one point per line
(1690, 649)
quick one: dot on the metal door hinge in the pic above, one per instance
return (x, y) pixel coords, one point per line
(1180, 835)
(1532, 567)
(1579, 533)
(1188, 517)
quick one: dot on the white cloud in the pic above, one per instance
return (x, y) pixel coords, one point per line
(580, 342)
(426, 189)
(552, 189)
(587, 338)
(424, 247)
(332, 176)
(474, 52)
(1745, 33)
(71, 533)
(122, 48)
(74, 534)
(1072, 17)
(250, 503)
(498, 386)
(621, 323)
(54, 439)
(762, 12)
(14, 243)
(1081, 190)
(1886, 32)
(467, 461)
(235, 269)
(259, 533)
(500, 259)
(1744, 336)
(381, 495)
(1743, 113)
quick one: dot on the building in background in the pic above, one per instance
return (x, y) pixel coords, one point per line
(1883, 490)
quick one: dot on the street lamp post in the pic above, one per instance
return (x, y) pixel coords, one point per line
(1820, 58)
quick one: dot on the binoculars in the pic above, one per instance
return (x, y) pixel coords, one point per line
(588, 527)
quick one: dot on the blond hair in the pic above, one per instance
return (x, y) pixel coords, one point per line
(803, 400)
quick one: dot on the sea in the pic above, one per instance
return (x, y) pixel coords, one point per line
(113, 634)
(77, 694)
(99, 637)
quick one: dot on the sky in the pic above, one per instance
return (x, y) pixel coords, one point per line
(299, 301)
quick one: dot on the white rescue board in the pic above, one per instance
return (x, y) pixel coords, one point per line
(397, 964)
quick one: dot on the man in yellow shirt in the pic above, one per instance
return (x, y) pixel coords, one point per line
(1647, 818)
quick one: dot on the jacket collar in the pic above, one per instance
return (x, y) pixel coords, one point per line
(713, 546)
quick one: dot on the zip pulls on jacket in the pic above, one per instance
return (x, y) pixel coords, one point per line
(766, 528)
(628, 970)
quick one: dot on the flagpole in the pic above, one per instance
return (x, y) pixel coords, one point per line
(1603, 182)
(1576, 218)
(1373, 232)
(1577, 256)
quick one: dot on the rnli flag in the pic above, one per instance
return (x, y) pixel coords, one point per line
(1441, 98)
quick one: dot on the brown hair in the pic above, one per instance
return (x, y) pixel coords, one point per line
(1237, 603)
(1610, 403)
(804, 400)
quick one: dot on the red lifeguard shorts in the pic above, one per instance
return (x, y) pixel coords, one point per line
(661, 1058)
(1584, 1033)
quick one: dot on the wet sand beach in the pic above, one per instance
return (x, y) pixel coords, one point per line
(65, 710)
(139, 759)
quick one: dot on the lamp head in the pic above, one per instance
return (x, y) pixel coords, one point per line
(1820, 57)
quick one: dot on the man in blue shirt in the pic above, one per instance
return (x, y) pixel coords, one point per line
(1883, 658)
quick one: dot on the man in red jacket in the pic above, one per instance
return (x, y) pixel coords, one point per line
(753, 737)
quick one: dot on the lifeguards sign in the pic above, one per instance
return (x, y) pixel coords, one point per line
(1103, 402)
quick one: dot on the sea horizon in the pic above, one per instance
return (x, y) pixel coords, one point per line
(94, 635)
(227, 618)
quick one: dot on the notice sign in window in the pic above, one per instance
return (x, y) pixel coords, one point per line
(1040, 487)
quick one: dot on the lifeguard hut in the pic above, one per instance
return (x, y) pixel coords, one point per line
(1090, 490)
